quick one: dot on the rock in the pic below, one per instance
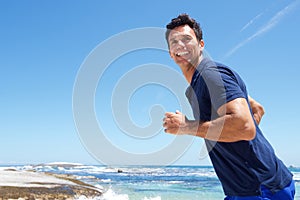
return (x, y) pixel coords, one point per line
(29, 185)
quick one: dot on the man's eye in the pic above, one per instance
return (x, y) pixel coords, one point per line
(186, 40)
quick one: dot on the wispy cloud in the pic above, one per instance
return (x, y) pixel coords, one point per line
(251, 21)
(270, 24)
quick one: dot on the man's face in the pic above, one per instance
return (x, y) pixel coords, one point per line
(184, 47)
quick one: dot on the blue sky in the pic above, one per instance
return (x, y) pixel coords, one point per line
(44, 43)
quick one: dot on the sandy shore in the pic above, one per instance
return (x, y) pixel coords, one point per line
(36, 185)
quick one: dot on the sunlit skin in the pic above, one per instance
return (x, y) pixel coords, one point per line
(185, 50)
(235, 122)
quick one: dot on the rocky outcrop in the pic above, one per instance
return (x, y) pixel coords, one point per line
(29, 185)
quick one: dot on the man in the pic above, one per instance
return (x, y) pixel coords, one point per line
(227, 118)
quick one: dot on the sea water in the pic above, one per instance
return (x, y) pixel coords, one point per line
(148, 182)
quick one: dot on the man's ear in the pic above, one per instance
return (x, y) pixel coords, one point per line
(201, 43)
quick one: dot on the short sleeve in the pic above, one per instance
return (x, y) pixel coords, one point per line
(223, 86)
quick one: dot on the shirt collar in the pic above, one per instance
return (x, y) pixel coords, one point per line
(204, 62)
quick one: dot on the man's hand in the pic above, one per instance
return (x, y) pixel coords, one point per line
(257, 110)
(174, 123)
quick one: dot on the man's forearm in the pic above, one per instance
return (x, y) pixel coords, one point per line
(224, 129)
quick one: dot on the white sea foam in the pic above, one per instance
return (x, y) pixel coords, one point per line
(203, 174)
(61, 168)
(175, 182)
(105, 180)
(296, 176)
(63, 163)
(111, 195)
(82, 197)
(100, 187)
(92, 169)
(152, 198)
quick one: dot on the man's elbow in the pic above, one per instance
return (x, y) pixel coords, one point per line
(249, 131)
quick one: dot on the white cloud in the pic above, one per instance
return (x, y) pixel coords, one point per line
(251, 21)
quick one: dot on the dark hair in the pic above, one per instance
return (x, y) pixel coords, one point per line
(181, 20)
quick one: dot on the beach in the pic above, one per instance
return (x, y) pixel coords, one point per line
(120, 182)
(30, 184)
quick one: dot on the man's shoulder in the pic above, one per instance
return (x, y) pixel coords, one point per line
(216, 69)
(207, 66)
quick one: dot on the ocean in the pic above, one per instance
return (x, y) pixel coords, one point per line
(147, 182)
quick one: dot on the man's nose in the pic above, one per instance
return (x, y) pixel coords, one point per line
(180, 44)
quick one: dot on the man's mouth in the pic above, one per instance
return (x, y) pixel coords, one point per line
(179, 54)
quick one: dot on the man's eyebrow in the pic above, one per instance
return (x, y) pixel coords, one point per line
(182, 35)
(187, 36)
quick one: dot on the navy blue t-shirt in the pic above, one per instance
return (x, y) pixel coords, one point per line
(242, 166)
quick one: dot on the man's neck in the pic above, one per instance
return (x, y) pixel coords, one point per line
(188, 71)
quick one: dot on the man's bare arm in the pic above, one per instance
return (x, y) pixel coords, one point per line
(234, 124)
